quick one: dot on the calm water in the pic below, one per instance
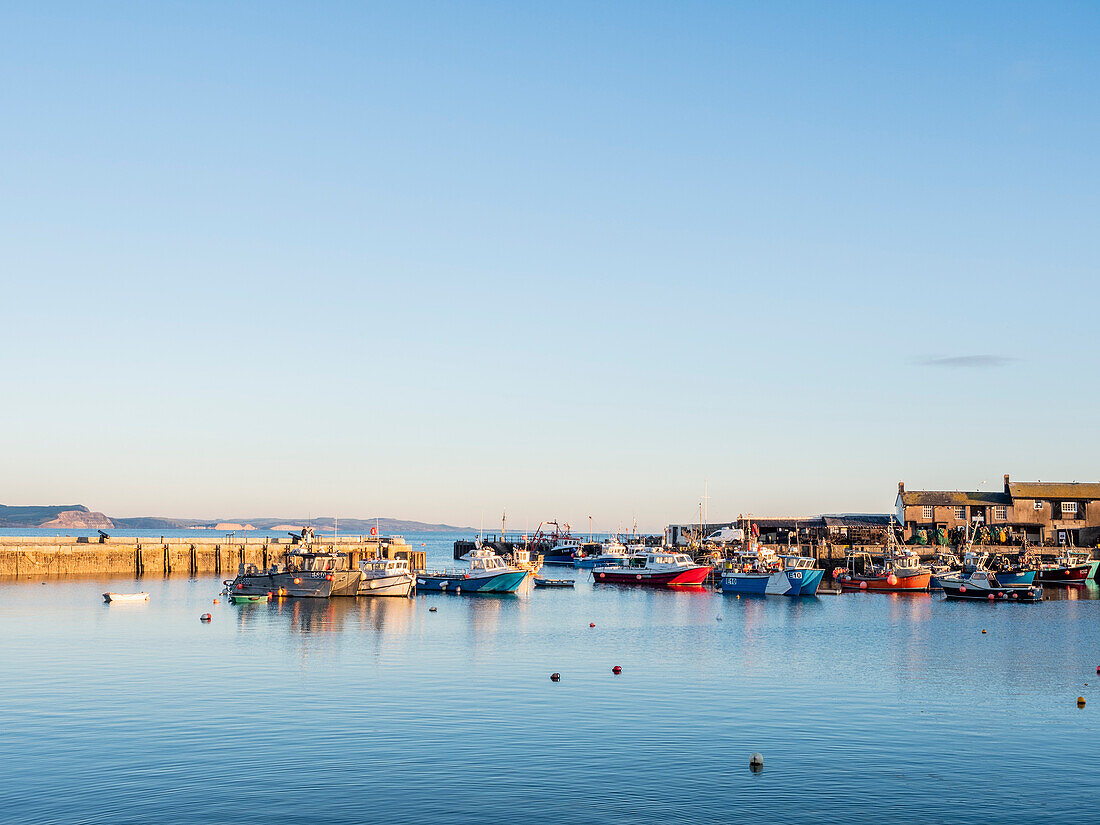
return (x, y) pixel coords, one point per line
(870, 708)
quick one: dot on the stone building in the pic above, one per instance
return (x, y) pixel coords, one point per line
(1040, 512)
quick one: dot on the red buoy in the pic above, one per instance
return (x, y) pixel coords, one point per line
(892, 580)
(962, 588)
(616, 670)
(591, 624)
(205, 617)
(863, 585)
(554, 677)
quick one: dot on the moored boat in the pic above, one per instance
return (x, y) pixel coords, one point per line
(385, 577)
(252, 598)
(785, 576)
(306, 574)
(655, 568)
(612, 554)
(900, 572)
(1071, 568)
(539, 582)
(487, 573)
(125, 597)
(982, 585)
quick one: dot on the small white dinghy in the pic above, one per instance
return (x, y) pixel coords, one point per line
(125, 597)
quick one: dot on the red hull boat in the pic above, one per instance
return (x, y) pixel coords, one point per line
(917, 583)
(1073, 574)
(655, 568)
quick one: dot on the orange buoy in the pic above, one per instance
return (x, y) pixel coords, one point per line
(555, 677)
(983, 630)
(297, 581)
(215, 601)
(1080, 701)
(892, 580)
(205, 617)
(616, 670)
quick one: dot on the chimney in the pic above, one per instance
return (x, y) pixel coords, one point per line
(1006, 482)
(901, 486)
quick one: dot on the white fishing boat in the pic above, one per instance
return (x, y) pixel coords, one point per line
(385, 577)
(125, 597)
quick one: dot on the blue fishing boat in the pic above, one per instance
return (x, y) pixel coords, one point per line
(487, 573)
(790, 576)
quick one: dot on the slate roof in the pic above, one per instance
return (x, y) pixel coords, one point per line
(913, 498)
(1054, 490)
(859, 520)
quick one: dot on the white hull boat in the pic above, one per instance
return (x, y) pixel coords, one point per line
(125, 597)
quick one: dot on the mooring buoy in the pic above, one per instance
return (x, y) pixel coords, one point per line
(555, 677)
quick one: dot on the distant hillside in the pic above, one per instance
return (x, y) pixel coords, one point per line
(72, 516)
(79, 517)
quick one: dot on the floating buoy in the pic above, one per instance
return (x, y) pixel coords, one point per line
(983, 630)
(555, 677)
(616, 670)
(1080, 701)
(215, 601)
(1098, 668)
(205, 617)
(756, 760)
(591, 624)
(718, 618)
(432, 609)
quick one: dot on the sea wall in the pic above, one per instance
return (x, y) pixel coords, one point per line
(35, 557)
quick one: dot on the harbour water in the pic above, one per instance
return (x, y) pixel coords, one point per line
(866, 707)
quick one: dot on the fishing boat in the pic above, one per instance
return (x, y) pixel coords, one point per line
(1071, 568)
(385, 577)
(983, 585)
(306, 574)
(900, 571)
(1020, 571)
(251, 598)
(655, 568)
(785, 576)
(554, 582)
(125, 597)
(487, 573)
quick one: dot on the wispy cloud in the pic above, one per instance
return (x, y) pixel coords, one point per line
(967, 362)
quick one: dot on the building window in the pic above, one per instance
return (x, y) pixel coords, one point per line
(960, 512)
(926, 512)
(1069, 509)
(1000, 512)
(1038, 505)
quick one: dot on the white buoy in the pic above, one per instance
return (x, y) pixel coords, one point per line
(756, 760)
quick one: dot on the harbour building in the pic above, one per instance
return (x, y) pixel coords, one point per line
(1039, 512)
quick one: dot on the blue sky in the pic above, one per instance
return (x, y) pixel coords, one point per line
(435, 260)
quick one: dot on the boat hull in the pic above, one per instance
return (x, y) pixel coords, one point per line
(507, 582)
(777, 583)
(690, 577)
(1074, 574)
(309, 585)
(917, 583)
(400, 585)
(959, 590)
(1018, 577)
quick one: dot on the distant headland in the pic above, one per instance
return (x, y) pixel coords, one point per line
(79, 517)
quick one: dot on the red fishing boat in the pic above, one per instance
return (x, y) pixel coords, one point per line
(900, 572)
(654, 568)
(1072, 568)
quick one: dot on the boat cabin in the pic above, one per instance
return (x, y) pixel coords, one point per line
(316, 562)
(484, 560)
(651, 559)
(384, 567)
(798, 562)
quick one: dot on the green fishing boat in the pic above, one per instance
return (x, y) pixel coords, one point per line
(247, 599)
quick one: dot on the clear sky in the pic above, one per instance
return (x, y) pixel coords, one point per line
(435, 260)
